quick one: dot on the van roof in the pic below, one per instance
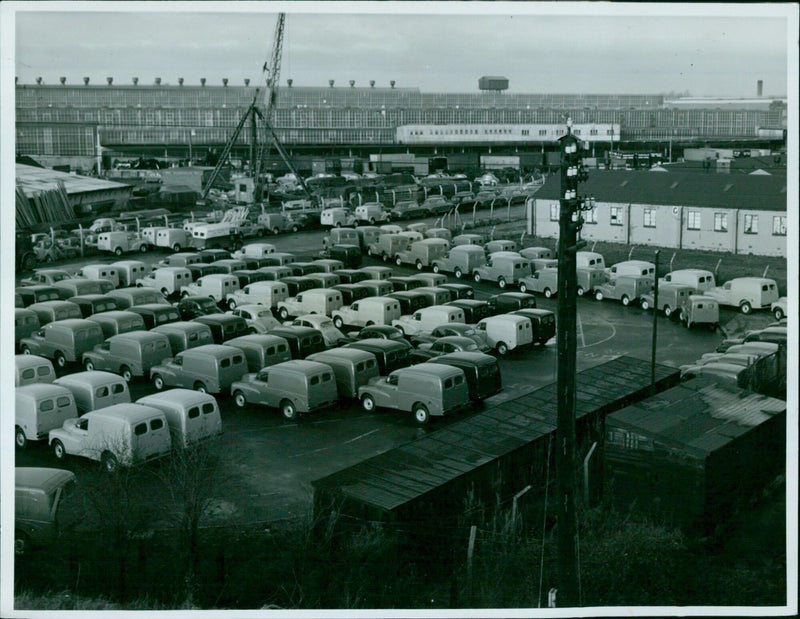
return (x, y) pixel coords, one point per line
(377, 343)
(182, 326)
(321, 291)
(138, 336)
(301, 365)
(217, 351)
(172, 270)
(691, 272)
(477, 358)
(153, 307)
(41, 390)
(113, 316)
(427, 369)
(41, 478)
(128, 263)
(515, 318)
(92, 378)
(23, 311)
(760, 280)
(634, 263)
(350, 354)
(217, 276)
(186, 397)
(701, 297)
(219, 317)
(27, 361)
(36, 288)
(49, 304)
(133, 413)
(73, 323)
(258, 339)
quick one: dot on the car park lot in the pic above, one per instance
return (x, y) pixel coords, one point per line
(268, 463)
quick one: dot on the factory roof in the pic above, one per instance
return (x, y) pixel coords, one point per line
(34, 180)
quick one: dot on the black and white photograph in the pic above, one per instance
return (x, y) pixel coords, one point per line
(399, 309)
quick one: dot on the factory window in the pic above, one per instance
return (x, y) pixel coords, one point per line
(526, 132)
(751, 224)
(616, 215)
(577, 131)
(554, 211)
(542, 131)
(779, 226)
(720, 222)
(693, 220)
(593, 132)
(649, 218)
(590, 216)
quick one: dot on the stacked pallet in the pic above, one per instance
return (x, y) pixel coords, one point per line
(48, 206)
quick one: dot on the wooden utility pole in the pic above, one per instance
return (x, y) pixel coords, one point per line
(572, 173)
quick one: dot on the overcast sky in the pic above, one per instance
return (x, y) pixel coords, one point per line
(706, 55)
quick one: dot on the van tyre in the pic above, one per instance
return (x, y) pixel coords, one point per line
(523, 287)
(419, 265)
(288, 410)
(275, 231)
(338, 322)
(667, 311)
(368, 403)
(109, 462)
(477, 277)
(501, 281)
(745, 307)
(421, 414)
(645, 305)
(598, 296)
(283, 313)
(118, 251)
(58, 450)
(778, 313)
(177, 247)
(457, 272)
(143, 249)
(21, 543)
(61, 360)
(295, 228)
(20, 440)
(88, 365)
(398, 261)
(502, 348)
(435, 269)
(126, 373)
(625, 300)
(548, 293)
(201, 387)
(239, 399)
(158, 382)
(580, 291)
(26, 350)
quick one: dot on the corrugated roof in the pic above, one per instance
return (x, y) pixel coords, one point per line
(400, 475)
(679, 188)
(34, 180)
(699, 416)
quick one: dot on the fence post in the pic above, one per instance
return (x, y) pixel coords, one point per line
(630, 253)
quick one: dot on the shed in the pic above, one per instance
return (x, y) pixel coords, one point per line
(690, 454)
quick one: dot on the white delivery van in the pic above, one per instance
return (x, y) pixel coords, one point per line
(314, 301)
(632, 268)
(428, 318)
(94, 390)
(699, 280)
(746, 293)
(366, 312)
(217, 286)
(506, 332)
(32, 369)
(266, 293)
(40, 408)
(191, 416)
(167, 280)
(589, 260)
(352, 368)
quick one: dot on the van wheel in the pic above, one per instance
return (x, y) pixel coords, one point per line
(58, 450)
(625, 300)
(385, 257)
(501, 281)
(20, 440)
(338, 322)
(177, 247)
(338, 224)
(368, 403)
(283, 313)
(61, 360)
(398, 261)
(126, 373)
(435, 269)
(580, 291)
(421, 414)
(645, 305)
(457, 272)
(477, 277)
(26, 350)
(239, 399)
(667, 311)
(109, 462)
(201, 387)
(371, 221)
(276, 230)
(118, 251)
(502, 348)
(745, 307)
(231, 304)
(288, 409)
(369, 251)
(158, 382)
(184, 294)
(778, 313)
(165, 292)
(295, 228)
(88, 365)
(598, 296)
(548, 293)
(21, 543)
(419, 265)
(369, 323)
(523, 287)
(143, 248)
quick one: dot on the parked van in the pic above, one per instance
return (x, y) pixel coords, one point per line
(172, 238)
(25, 323)
(45, 277)
(506, 332)
(217, 286)
(410, 301)
(352, 293)
(482, 372)
(536, 253)
(503, 268)
(268, 294)
(368, 311)
(167, 280)
(589, 278)
(93, 390)
(370, 212)
(213, 254)
(281, 259)
(543, 323)
(439, 233)
(129, 354)
(40, 408)
(698, 280)
(328, 265)
(468, 239)
(64, 341)
(211, 369)
(32, 369)
(129, 271)
(632, 268)
(181, 259)
(40, 495)
(376, 272)
(90, 304)
(625, 288)
(50, 311)
(351, 367)
(349, 255)
(425, 389)
(324, 280)
(191, 416)
(255, 250)
(277, 223)
(119, 435)
(120, 242)
(296, 285)
(125, 298)
(275, 273)
(510, 301)
(388, 246)
(78, 286)
(183, 335)
(422, 253)
(377, 287)
(351, 276)
(293, 387)
(390, 354)
(224, 326)
(303, 341)
(428, 318)
(367, 235)
(746, 293)
(544, 281)
(430, 279)
(474, 310)
(261, 350)
(589, 260)
(230, 265)
(405, 283)
(499, 245)
(336, 217)
(116, 322)
(37, 294)
(436, 295)
(155, 314)
(700, 309)
(100, 271)
(317, 301)
(671, 298)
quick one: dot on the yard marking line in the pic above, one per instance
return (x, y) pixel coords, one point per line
(313, 451)
(612, 336)
(580, 331)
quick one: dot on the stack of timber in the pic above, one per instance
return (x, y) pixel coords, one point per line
(50, 206)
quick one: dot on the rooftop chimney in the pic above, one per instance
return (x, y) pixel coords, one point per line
(39, 81)
(180, 81)
(330, 82)
(352, 83)
(247, 81)
(391, 83)
(760, 88)
(135, 81)
(110, 80)
(158, 81)
(225, 81)
(202, 81)
(372, 83)
(289, 82)
(63, 80)
(85, 81)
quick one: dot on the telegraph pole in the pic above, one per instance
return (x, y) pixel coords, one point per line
(570, 221)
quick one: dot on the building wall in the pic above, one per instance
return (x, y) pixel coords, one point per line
(681, 227)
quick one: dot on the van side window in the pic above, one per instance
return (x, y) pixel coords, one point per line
(225, 363)
(118, 388)
(46, 405)
(29, 373)
(140, 428)
(208, 408)
(156, 424)
(458, 380)
(192, 337)
(361, 366)
(193, 412)
(370, 363)
(238, 359)
(101, 392)
(314, 380)
(448, 383)
(271, 350)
